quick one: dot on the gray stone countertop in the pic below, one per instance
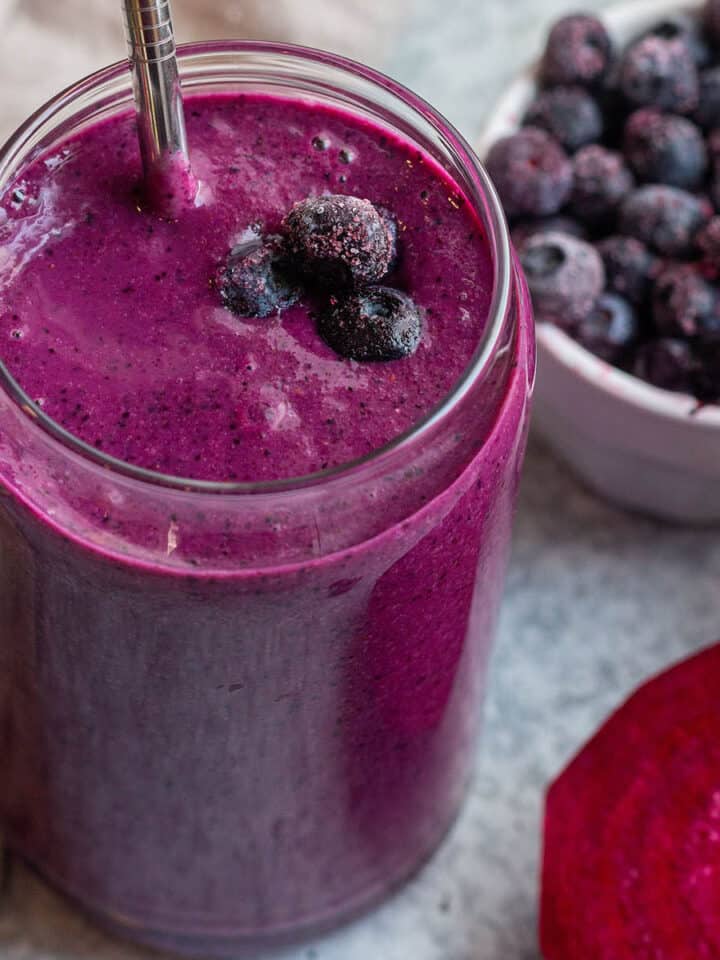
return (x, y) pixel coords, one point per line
(596, 601)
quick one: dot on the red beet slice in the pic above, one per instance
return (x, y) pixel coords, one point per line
(632, 829)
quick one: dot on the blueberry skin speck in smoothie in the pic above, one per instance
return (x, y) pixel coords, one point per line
(228, 719)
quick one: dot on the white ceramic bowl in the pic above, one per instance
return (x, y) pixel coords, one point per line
(643, 448)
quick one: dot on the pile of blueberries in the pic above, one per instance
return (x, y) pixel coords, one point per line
(612, 188)
(333, 250)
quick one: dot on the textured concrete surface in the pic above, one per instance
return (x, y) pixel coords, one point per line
(596, 601)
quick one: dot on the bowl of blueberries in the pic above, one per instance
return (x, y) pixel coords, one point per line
(606, 156)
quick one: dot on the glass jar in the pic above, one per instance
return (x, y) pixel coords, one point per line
(233, 714)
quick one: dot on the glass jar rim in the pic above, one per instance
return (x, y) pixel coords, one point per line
(485, 196)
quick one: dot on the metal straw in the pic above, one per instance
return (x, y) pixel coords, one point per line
(169, 183)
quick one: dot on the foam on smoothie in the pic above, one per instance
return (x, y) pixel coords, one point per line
(109, 318)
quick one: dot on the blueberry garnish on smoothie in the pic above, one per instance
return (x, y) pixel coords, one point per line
(375, 323)
(339, 239)
(333, 248)
(257, 280)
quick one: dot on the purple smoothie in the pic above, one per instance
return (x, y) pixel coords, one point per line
(229, 718)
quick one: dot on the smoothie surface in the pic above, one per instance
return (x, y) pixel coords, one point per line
(110, 321)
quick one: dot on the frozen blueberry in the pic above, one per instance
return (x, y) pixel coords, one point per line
(339, 239)
(532, 173)
(565, 277)
(569, 114)
(686, 28)
(711, 19)
(578, 51)
(684, 303)
(664, 148)
(256, 280)
(708, 243)
(601, 180)
(660, 73)
(525, 229)
(666, 219)
(629, 267)
(374, 323)
(610, 329)
(666, 363)
(708, 111)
